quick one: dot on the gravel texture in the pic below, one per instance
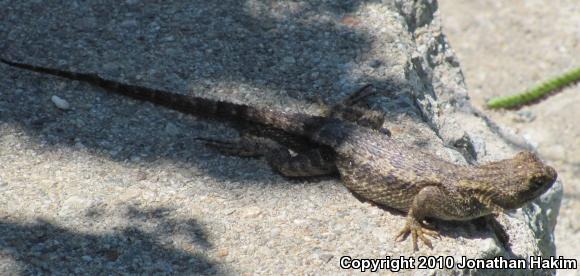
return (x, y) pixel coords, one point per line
(114, 186)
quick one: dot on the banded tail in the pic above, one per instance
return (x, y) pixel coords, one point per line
(295, 123)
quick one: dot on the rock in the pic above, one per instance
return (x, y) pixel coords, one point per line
(251, 212)
(74, 205)
(222, 252)
(523, 116)
(60, 103)
(171, 129)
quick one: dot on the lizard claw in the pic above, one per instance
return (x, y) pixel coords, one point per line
(416, 230)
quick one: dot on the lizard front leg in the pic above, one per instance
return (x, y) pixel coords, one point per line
(424, 205)
(244, 146)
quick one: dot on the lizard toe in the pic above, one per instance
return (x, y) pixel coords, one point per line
(417, 232)
(430, 232)
(424, 239)
(403, 234)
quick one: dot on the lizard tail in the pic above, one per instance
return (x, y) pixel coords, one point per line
(294, 123)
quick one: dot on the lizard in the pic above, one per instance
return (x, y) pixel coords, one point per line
(373, 166)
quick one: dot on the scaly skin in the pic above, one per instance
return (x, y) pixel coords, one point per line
(408, 179)
(371, 164)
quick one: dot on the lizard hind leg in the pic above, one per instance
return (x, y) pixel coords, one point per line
(350, 109)
(309, 163)
(359, 95)
(353, 99)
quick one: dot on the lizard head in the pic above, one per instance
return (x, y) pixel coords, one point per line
(511, 183)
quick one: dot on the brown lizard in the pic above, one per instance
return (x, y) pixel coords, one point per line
(373, 166)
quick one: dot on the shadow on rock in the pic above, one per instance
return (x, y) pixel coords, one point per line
(44, 247)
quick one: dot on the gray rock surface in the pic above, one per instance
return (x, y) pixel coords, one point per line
(118, 186)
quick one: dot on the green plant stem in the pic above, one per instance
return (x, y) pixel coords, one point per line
(537, 92)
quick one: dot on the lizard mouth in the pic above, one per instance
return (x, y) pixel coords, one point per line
(544, 181)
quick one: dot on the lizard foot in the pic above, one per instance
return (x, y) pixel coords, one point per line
(416, 230)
